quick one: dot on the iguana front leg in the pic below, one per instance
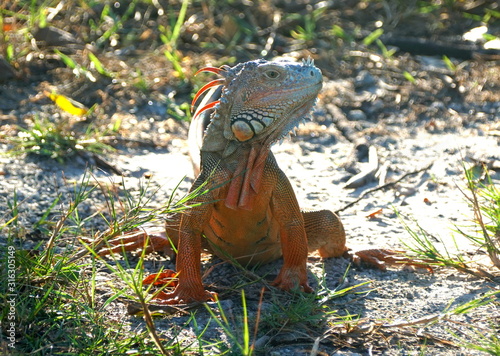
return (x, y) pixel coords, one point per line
(190, 288)
(286, 210)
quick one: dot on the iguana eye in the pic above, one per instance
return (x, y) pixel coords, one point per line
(272, 74)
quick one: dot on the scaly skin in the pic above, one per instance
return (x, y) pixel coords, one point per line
(250, 211)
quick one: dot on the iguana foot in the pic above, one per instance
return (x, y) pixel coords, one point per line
(381, 258)
(184, 296)
(181, 295)
(150, 239)
(292, 277)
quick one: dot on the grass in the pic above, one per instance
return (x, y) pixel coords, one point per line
(240, 343)
(481, 338)
(61, 305)
(58, 303)
(57, 307)
(55, 140)
(170, 37)
(308, 32)
(484, 199)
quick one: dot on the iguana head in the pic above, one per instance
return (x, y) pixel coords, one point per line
(261, 102)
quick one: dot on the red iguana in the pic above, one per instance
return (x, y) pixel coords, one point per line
(250, 210)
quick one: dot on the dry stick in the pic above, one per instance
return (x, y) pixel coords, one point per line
(257, 319)
(423, 336)
(150, 325)
(401, 328)
(57, 229)
(145, 143)
(423, 320)
(272, 35)
(369, 191)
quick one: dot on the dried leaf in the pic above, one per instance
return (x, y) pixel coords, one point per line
(374, 214)
(8, 27)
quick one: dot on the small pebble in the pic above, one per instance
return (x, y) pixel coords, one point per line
(357, 115)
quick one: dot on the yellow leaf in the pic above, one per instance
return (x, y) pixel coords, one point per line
(66, 104)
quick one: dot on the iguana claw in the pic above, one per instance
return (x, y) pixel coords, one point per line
(184, 296)
(291, 278)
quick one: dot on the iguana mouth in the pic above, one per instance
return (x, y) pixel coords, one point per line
(295, 117)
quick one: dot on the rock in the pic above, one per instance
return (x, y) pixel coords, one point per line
(55, 37)
(357, 115)
(364, 79)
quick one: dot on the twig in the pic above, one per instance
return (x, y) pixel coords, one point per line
(407, 328)
(147, 143)
(423, 320)
(390, 184)
(150, 325)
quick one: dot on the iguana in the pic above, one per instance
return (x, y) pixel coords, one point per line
(249, 210)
